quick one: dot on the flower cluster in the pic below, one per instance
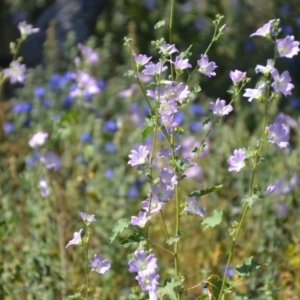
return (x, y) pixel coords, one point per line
(98, 263)
(145, 266)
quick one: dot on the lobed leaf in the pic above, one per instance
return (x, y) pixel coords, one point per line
(121, 225)
(213, 220)
(206, 191)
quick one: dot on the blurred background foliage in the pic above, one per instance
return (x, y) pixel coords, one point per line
(94, 139)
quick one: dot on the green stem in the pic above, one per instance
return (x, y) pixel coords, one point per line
(87, 267)
(256, 161)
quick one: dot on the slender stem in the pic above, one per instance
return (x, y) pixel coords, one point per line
(170, 32)
(164, 222)
(163, 248)
(256, 162)
(87, 267)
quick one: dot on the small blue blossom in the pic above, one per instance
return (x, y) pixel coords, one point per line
(54, 82)
(195, 126)
(67, 102)
(110, 126)
(197, 109)
(27, 122)
(108, 173)
(132, 192)
(8, 127)
(22, 107)
(101, 84)
(39, 92)
(86, 138)
(110, 147)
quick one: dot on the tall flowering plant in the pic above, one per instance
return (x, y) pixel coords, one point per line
(166, 95)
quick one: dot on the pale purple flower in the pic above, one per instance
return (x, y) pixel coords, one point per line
(156, 205)
(166, 152)
(89, 54)
(27, 29)
(237, 160)
(270, 189)
(193, 207)
(161, 193)
(88, 219)
(283, 186)
(288, 120)
(181, 64)
(220, 108)
(148, 282)
(206, 67)
(267, 69)
(16, 72)
(168, 178)
(154, 69)
(51, 161)
(38, 139)
(44, 187)
(76, 239)
(128, 92)
(255, 93)
(86, 85)
(141, 220)
(99, 265)
(287, 47)
(265, 30)
(278, 133)
(237, 76)
(138, 157)
(281, 82)
(167, 49)
(281, 210)
(193, 171)
(141, 59)
(143, 264)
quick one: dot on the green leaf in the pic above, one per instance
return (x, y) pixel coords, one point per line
(196, 88)
(129, 74)
(169, 288)
(202, 297)
(121, 225)
(247, 267)
(159, 24)
(206, 191)
(213, 220)
(75, 296)
(248, 200)
(147, 128)
(136, 237)
(174, 239)
(214, 285)
(179, 164)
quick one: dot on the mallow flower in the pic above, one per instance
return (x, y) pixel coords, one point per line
(237, 160)
(278, 133)
(265, 30)
(287, 47)
(193, 207)
(142, 263)
(99, 265)
(282, 83)
(206, 67)
(220, 108)
(237, 76)
(76, 239)
(38, 139)
(16, 72)
(138, 157)
(255, 93)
